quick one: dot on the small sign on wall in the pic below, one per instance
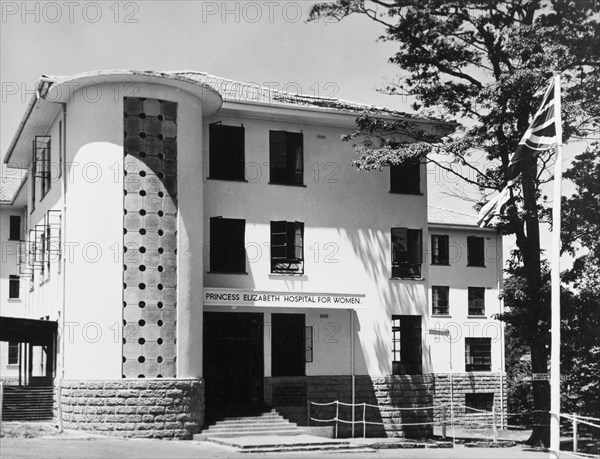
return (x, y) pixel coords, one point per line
(540, 376)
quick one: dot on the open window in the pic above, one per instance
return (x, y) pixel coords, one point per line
(406, 178)
(227, 245)
(41, 151)
(475, 251)
(286, 158)
(406, 345)
(287, 247)
(440, 249)
(226, 152)
(407, 253)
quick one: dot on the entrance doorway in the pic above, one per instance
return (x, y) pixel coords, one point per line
(288, 356)
(233, 363)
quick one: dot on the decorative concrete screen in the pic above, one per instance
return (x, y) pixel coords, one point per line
(150, 238)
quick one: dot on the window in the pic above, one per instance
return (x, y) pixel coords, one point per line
(42, 158)
(478, 354)
(308, 344)
(226, 152)
(480, 401)
(440, 249)
(406, 345)
(14, 287)
(439, 300)
(227, 245)
(475, 252)
(13, 353)
(287, 247)
(406, 253)
(286, 162)
(406, 178)
(33, 183)
(476, 301)
(14, 233)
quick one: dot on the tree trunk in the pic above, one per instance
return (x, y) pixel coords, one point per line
(539, 310)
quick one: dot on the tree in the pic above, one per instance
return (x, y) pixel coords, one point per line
(484, 62)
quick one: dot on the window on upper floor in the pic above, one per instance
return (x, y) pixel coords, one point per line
(475, 251)
(478, 354)
(407, 250)
(440, 249)
(13, 353)
(227, 245)
(406, 345)
(14, 232)
(14, 287)
(287, 247)
(476, 301)
(286, 158)
(406, 178)
(226, 152)
(440, 300)
(42, 162)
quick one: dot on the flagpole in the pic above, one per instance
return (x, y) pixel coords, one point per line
(555, 279)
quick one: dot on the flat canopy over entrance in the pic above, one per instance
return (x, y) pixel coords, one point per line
(36, 332)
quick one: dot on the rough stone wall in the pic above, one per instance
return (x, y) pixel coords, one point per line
(468, 383)
(395, 396)
(167, 408)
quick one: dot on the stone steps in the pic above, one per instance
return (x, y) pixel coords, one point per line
(269, 423)
(298, 443)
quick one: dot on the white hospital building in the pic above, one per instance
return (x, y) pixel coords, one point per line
(185, 247)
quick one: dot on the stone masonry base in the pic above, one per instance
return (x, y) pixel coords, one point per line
(470, 383)
(142, 408)
(395, 398)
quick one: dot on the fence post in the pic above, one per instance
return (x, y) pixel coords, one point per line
(364, 420)
(444, 422)
(494, 423)
(337, 414)
(308, 413)
(575, 445)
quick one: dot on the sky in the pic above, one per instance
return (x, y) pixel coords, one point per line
(263, 42)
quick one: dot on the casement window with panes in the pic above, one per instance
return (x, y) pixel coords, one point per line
(14, 287)
(226, 152)
(286, 158)
(440, 300)
(475, 251)
(478, 354)
(440, 249)
(41, 150)
(287, 247)
(13, 353)
(406, 345)
(406, 178)
(14, 232)
(407, 253)
(476, 301)
(227, 245)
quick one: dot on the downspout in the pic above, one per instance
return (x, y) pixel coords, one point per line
(352, 365)
(64, 235)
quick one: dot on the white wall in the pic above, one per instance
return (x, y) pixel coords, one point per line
(458, 276)
(347, 216)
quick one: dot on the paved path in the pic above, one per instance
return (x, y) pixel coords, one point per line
(77, 447)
